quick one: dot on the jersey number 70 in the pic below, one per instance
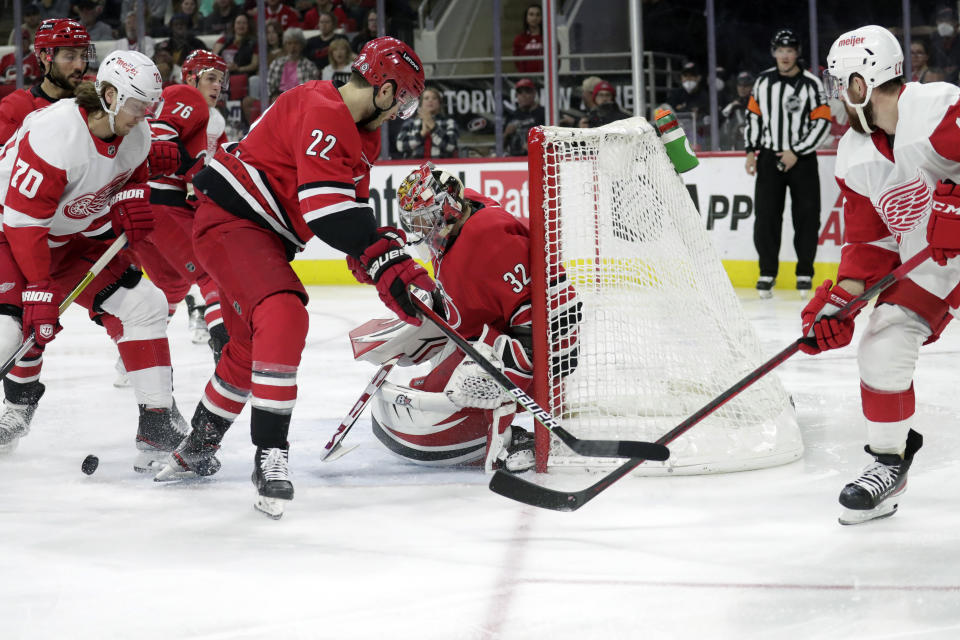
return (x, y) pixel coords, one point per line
(31, 183)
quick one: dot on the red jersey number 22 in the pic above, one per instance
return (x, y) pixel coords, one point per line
(318, 137)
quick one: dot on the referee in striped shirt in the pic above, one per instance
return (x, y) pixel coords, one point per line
(787, 119)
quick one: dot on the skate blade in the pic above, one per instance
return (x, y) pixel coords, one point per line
(200, 336)
(271, 507)
(9, 447)
(859, 516)
(170, 473)
(804, 294)
(765, 295)
(147, 463)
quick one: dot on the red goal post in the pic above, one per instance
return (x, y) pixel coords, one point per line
(661, 331)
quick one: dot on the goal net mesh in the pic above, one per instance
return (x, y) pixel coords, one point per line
(661, 332)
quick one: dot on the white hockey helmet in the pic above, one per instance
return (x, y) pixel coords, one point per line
(871, 52)
(137, 81)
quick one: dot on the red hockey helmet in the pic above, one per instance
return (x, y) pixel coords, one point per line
(431, 202)
(200, 61)
(63, 32)
(387, 59)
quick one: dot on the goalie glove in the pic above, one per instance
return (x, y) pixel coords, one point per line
(943, 230)
(470, 386)
(391, 269)
(819, 322)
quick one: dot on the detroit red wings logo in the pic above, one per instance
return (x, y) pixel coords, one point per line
(91, 203)
(906, 206)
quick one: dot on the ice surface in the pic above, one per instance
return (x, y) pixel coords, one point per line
(375, 548)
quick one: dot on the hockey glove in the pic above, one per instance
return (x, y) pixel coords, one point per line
(163, 159)
(131, 213)
(392, 271)
(469, 385)
(819, 322)
(41, 313)
(943, 230)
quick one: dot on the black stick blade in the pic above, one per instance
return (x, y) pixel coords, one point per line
(612, 448)
(516, 488)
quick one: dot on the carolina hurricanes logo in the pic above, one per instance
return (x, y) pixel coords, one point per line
(904, 207)
(450, 309)
(91, 203)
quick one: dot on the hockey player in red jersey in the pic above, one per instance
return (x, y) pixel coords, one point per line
(904, 141)
(74, 175)
(64, 49)
(457, 414)
(303, 170)
(167, 253)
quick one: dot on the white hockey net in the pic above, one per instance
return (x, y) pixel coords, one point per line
(662, 332)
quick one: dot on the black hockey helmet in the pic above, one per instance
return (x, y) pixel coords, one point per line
(785, 38)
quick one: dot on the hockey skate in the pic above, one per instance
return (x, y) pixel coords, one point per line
(765, 287)
(16, 417)
(518, 456)
(196, 456)
(876, 493)
(159, 432)
(272, 479)
(197, 325)
(804, 285)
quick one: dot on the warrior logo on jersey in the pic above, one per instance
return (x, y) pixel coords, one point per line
(92, 203)
(906, 206)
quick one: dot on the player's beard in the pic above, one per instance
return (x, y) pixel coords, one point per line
(854, 118)
(67, 83)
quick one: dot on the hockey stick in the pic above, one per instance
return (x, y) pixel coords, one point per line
(334, 449)
(94, 271)
(592, 448)
(516, 488)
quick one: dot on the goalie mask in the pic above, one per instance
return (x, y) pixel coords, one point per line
(431, 204)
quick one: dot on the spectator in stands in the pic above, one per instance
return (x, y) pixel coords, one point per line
(53, 9)
(734, 114)
(316, 49)
(169, 72)
(367, 33)
(575, 118)
(239, 51)
(292, 68)
(189, 9)
(221, 17)
(155, 14)
(356, 11)
(340, 58)
(32, 71)
(529, 42)
(274, 10)
(606, 110)
(309, 15)
(691, 95)
(527, 114)
(945, 45)
(89, 16)
(919, 60)
(431, 134)
(130, 41)
(274, 41)
(344, 21)
(181, 41)
(31, 20)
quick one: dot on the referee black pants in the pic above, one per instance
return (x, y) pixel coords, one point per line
(769, 197)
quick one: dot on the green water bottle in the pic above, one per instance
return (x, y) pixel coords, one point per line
(675, 141)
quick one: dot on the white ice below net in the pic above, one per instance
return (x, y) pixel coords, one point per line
(662, 332)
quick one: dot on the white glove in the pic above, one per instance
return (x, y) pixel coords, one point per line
(470, 386)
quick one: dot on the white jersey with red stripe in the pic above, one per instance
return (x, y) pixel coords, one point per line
(216, 133)
(888, 190)
(305, 158)
(57, 177)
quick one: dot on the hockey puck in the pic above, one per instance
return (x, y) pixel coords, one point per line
(90, 464)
